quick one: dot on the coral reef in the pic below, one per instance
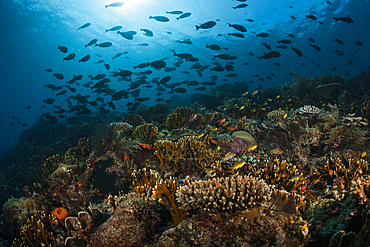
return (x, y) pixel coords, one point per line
(145, 132)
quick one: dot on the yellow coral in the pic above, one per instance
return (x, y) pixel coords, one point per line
(37, 231)
(165, 191)
(144, 181)
(187, 147)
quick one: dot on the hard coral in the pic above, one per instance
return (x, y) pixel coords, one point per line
(146, 132)
(181, 117)
(224, 194)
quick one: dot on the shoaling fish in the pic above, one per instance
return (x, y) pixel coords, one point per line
(159, 18)
(271, 54)
(175, 12)
(238, 27)
(84, 59)
(93, 41)
(298, 52)
(104, 44)
(187, 14)
(348, 20)
(116, 4)
(116, 28)
(69, 57)
(62, 49)
(206, 25)
(84, 26)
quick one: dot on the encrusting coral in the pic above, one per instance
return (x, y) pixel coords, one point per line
(224, 194)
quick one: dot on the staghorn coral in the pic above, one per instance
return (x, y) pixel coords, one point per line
(37, 231)
(185, 149)
(165, 191)
(224, 194)
(146, 132)
(181, 117)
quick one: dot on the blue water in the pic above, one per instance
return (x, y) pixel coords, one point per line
(32, 30)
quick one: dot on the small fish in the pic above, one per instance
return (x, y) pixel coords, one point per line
(116, 4)
(255, 92)
(312, 17)
(175, 12)
(159, 18)
(48, 70)
(104, 44)
(193, 118)
(206, 25)
(62, 48)
(211, 117)
(214, 141)
(84, 26)
(28, 107)
(222, 120)
(84, 59)
(229, 155)
(245, 93)
(116, 28)
(276, 151)
(147, 146)
(238, 165)
(93, 41)
(184, 15)
(258, 157)
(348, 20)
(295, 177)
(251, 148)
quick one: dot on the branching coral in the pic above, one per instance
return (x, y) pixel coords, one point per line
(146, 132)
(281, 174)
(165, 191)
(224, 194)
(144, 181)
(186, 148)
(361, 189)
(37, 231)
(282, 200)
(183, 116)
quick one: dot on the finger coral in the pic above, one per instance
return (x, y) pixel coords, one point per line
(224, 194)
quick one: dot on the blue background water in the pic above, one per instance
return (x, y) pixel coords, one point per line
(31, 31)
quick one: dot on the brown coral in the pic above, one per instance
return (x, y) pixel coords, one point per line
(224, 194)
(183, 116)
(146, 132)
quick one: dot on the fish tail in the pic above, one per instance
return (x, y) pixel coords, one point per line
(197, 27)
(336, 19)
(229, 24)
(150, 17)
(106, 6)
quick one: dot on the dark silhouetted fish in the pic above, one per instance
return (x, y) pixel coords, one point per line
(107, 66)
(126, 35)
(48, 70)
(100, 61)
(179, 90)
(142, 99)
(284, 41)
(348, 20)
(187, 14)
(111, 105)
(263, 35)
(298, 52)
(48, 101)
(91, 42)
(116, 4)
(218, 69)
(142, 65)
(62, 92)
(338, 41)
(143, 44)
(57, 88)
(359, 43)
(291, 16)
(69, 57)
(250, 54)
(267, 46)
(241, 6)
(282, 46)
(271, 54)
(185, 56)
(28, 107)
(311, 40)
(85, 58)
(104, 44)
(239, 35)
(164, 80)
(158, 64)
(201, 88)
(159, 18)
(147, 32)
(63, 49)
(249, 20)
(118, 55)
(59, 76)
(213, 47)
(175, 12)
(315, 47)
(120, 95)
(116, 28)
(84, 26)
(238, 27)
(222, 56)
(206, 25)
(291, 35)
(312, 17)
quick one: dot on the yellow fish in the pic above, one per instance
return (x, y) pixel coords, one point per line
(278, 96)
(201, 135)
(229, 155)
(295, 177)
(238, 165)
(276, 151)
(269, 99)
(251, 148)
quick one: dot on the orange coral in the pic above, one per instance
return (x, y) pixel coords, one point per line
(61, 214)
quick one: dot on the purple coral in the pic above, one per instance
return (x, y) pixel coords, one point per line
(237, 146)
